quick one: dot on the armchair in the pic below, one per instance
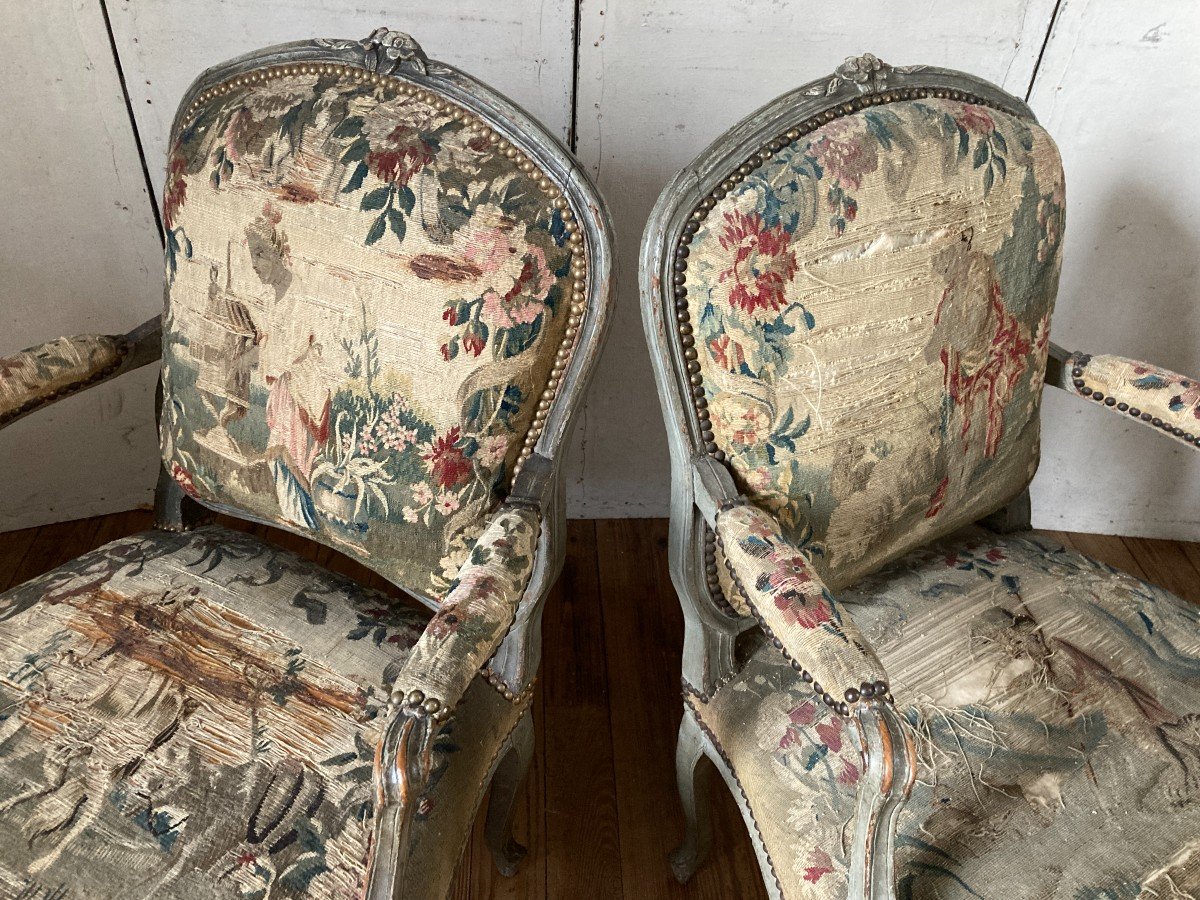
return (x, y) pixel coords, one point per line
(847, 299)
(386, 290)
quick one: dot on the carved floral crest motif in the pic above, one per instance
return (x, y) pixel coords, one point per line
(867, 73)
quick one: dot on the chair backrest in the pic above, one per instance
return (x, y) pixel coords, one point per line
(384, 286)
(852, 290)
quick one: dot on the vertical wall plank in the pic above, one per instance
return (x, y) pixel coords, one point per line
(524, 48)
(659, 80)
(79, 252)
(1115, 88)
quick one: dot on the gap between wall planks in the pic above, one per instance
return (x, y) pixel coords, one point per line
(599, 810)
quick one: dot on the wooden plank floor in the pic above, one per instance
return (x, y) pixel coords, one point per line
(599, 810)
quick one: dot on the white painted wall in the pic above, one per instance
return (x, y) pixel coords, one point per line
(79, 252)
(657, 81)
(1116, 87)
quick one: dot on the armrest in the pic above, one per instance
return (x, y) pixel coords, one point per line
(49, 372)
(796, 610)
(1153, 396)
(474, 616)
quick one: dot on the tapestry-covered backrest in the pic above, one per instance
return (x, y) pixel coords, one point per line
(371, 296)
(864, 313)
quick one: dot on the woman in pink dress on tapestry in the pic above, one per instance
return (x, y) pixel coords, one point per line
(298, 427)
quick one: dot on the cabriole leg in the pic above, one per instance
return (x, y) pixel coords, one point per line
(506, 787)
(697, 839)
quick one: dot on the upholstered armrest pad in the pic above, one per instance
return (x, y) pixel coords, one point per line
(795, 608)
(476, 612)
(41, 374)
(1154, 396)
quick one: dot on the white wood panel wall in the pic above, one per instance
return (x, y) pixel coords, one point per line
(79, 252)
(656, 81)
(1116, 86)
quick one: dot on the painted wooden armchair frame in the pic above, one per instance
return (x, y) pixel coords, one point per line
(421, 705)
(703, 490)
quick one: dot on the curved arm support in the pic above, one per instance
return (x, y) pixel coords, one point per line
(474, 618)
(787, 597)
(44, 374)
(804, 621)
(1154, 396)
(797, 611)
(475, 614)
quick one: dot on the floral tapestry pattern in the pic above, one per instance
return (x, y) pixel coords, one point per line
(871, 307)
(35, 375)
(1056, 712)
(778, 582)
(365, 301)
(1155, 395)
(196, 715)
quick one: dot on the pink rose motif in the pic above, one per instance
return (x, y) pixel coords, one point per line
(402, 154)
(763, 264)
(795, 595)
(975, 119)
(845, 153)
(819, 865)
(526, 299)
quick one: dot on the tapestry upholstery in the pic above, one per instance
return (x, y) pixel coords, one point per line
(1148, 393)
(369, 294)
(776, 580)
(476, 612)
(871, 308)
(1056, 714)
(195, 716)
(38, 375)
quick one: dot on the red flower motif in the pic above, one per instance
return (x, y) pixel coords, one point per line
(473, 342)
(994, 555)
(938, 500)
(184, 479)
(726, 353)
(404, 153)
(849, 774)
(176, 191)
(975, 119)
(763, 263)
(819, 864)
(795, 596)
(448, 465)
(993, 382)
(830, 734)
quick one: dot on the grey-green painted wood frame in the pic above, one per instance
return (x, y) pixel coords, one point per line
(401, 772)
(700, 482)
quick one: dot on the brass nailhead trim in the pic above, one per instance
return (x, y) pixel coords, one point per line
(854, 697)
(688, 692)
(475, 126)
(711, 580)
(1079, 363)
(504, 690)
(123, 348)
(725, 186)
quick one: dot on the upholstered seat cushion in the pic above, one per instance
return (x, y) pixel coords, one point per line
(1056, 709)
(196, 715)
